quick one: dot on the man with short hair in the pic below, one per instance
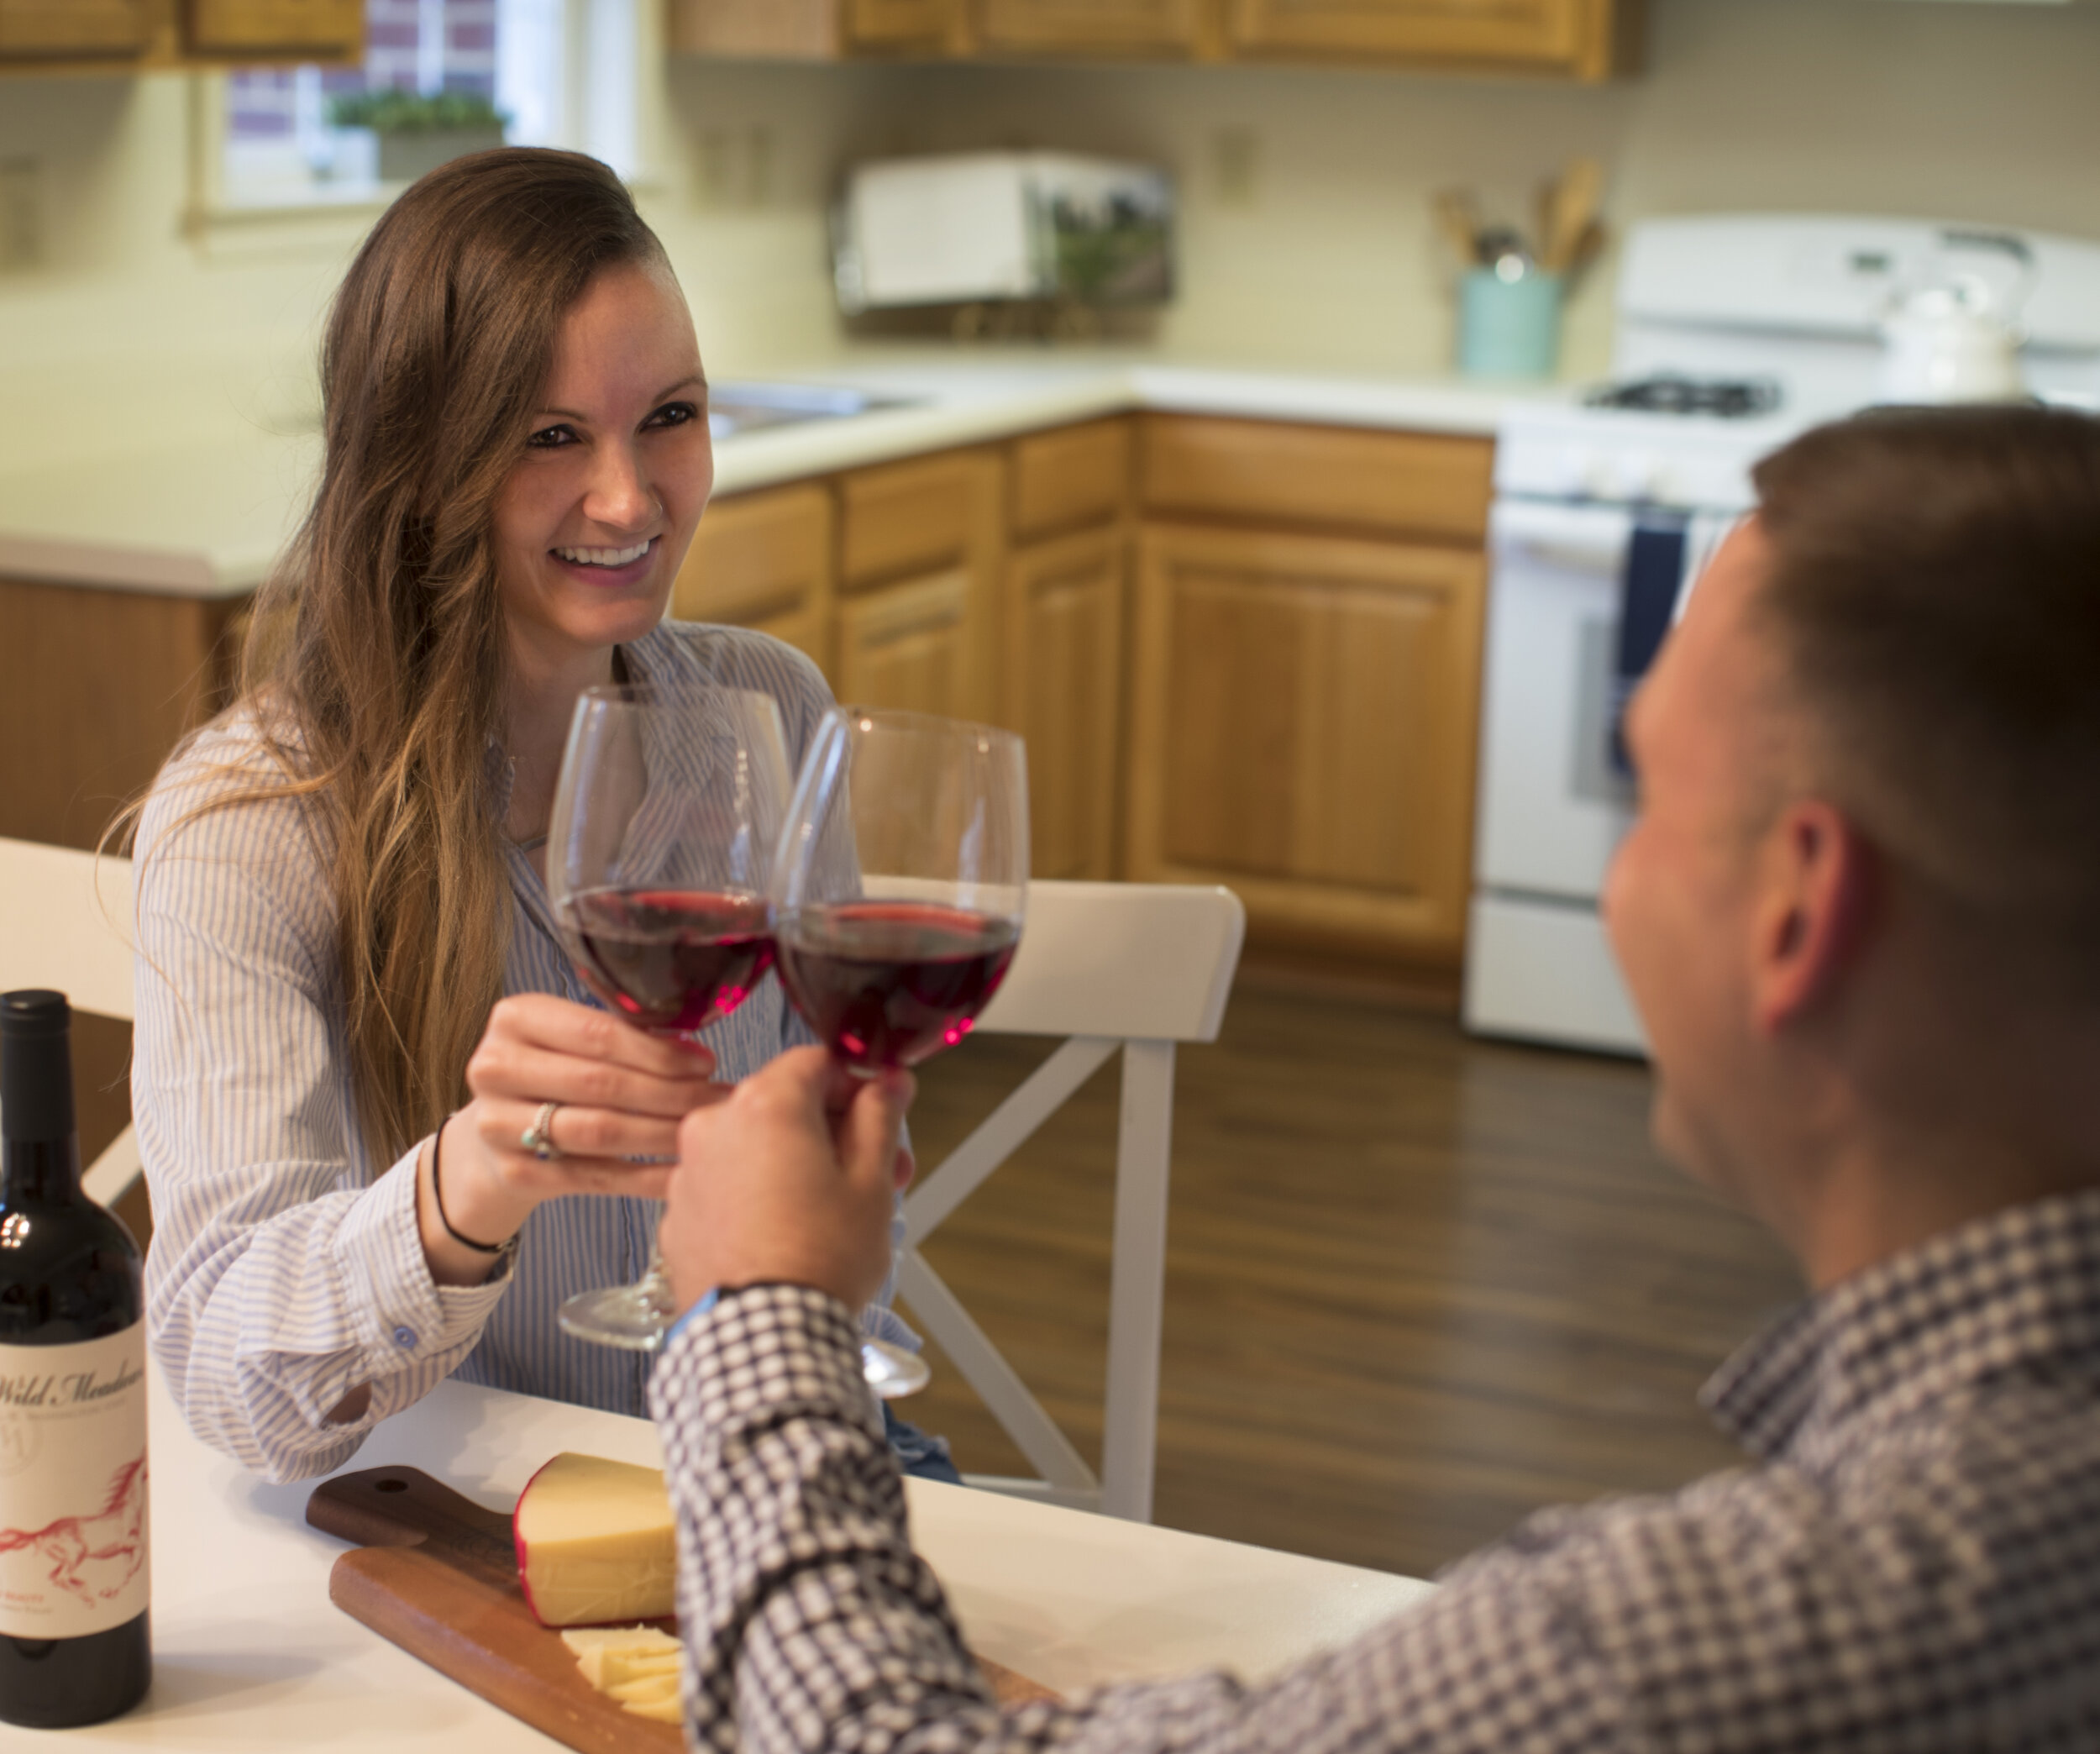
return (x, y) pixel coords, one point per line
(1860, 912)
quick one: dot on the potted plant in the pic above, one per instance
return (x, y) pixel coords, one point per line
(418, 131)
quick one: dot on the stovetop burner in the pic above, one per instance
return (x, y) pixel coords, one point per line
(1725, 398)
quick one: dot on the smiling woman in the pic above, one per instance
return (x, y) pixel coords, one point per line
(349, 974)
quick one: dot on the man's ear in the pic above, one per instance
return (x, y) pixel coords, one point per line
(1819, 884)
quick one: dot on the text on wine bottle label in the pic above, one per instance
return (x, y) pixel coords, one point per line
(73, 1486)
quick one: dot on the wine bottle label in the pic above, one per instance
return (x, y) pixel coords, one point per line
(73, 1486)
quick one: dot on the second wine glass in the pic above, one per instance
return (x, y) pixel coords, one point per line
(899, 894)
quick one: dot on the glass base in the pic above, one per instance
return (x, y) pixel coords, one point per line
(892, 1371)
(637, 1317)
(634, 1318)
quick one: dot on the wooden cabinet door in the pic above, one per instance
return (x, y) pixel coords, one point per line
(1091, 27)
(908, 645)
(1064, 693)
(935, 520)
(235, 27)
(69, 28)
(763, 560)
(1303, 712)
(96, 687)
(897, 26)
(1568, 35)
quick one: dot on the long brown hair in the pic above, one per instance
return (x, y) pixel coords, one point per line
(374, 665)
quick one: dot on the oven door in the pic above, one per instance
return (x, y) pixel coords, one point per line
(1553, 805)
(1566, 592)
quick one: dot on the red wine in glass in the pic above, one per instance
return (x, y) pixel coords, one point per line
(892, 983)
(672, 960)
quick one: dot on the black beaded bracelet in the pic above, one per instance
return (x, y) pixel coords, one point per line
(508, 1246)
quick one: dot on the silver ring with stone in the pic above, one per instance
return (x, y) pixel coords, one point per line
(538, 1138)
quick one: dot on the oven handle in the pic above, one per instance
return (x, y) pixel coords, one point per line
(1566, 538)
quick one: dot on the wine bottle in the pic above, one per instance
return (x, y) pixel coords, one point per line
(73, 1578)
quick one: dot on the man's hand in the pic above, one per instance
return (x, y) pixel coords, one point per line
(789, 1180)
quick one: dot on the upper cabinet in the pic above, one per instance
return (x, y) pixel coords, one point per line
(140, 35)
(1149, 28)
(276, 27)
(75, 29)
(1590, 39)
(1581, 39)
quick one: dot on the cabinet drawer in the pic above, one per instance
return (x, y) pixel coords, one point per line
(1066, 479)
(1416, 484)
(909, 517)
(763, 560)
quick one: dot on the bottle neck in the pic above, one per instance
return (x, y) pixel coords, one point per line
(39, 1142)
(39, 1172)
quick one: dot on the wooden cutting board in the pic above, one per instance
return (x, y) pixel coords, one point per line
(437, 1574)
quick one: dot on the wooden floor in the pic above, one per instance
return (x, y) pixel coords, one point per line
(1418, 1285)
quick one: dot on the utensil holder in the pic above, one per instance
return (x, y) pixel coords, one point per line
(1509, 328)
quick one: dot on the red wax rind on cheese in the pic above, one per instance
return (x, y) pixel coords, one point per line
(595, 1542)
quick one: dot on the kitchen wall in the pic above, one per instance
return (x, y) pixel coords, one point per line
(1306, 237)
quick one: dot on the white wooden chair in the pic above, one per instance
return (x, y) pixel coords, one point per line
(65, 922)
(1135, 966)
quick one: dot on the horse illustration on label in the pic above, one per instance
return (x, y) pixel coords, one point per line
(92, 1557)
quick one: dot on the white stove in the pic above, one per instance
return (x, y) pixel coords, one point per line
(1734, 334)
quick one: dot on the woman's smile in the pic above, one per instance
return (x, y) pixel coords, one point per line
(601, 503)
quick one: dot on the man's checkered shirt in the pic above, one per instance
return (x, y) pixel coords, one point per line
(1911, 1562)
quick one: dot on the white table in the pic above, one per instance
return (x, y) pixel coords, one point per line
(250, 1654)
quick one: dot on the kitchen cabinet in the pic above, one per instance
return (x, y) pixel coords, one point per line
(764, 560)
(1304, 676)
(936, 27)
(1304, 709)
(921, 547)
(1590, 38)
(277, 27)
(1064, 693)
(1063, 682)
(84, 739)
(75, 27)
(155, 36)
(1156, 28)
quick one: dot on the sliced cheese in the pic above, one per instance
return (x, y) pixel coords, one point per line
(595, 1542)
(641, 1667)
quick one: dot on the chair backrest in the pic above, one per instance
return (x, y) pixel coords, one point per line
(1134, 966)
(65, 922)
(1139, 961)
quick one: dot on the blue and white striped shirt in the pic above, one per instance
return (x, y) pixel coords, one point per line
(287, 1266)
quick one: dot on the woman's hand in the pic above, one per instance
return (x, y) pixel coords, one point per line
(622, 1094)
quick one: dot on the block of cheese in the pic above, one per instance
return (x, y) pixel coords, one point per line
(596, 1543)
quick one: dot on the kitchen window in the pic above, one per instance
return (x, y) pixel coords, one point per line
(288, 141)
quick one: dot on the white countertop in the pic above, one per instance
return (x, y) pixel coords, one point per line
(204, 515)
(249, 1653)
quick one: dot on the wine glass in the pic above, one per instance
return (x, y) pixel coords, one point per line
(665, 823)
(898, 894)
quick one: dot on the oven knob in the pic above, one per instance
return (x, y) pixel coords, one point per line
(1638, 474)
